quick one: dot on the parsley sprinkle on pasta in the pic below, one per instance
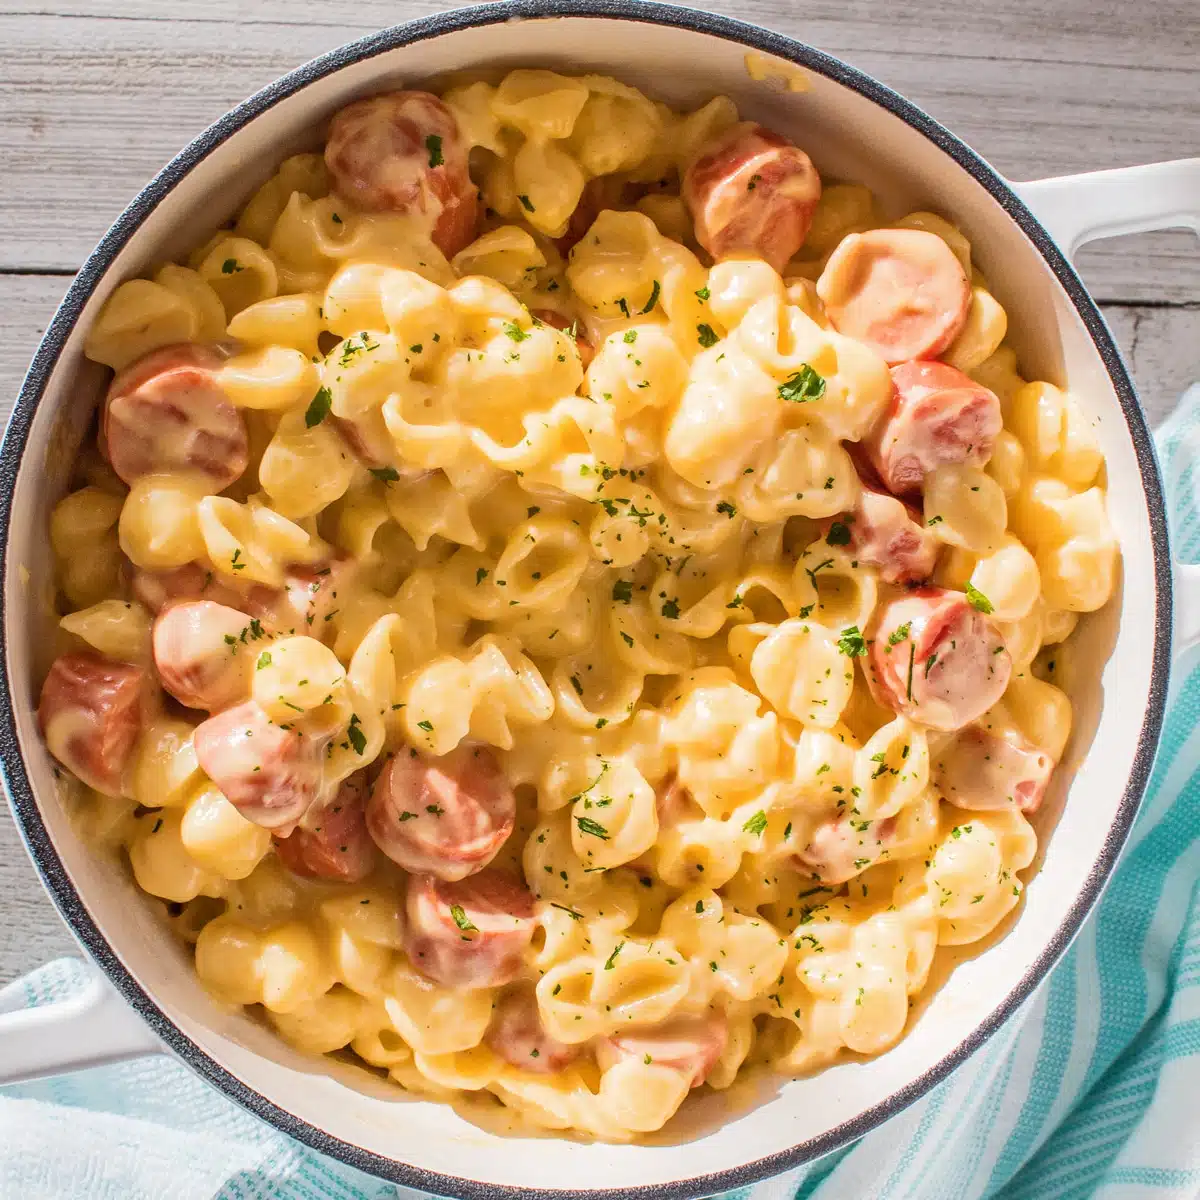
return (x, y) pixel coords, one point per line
(803, 386)
(592, 828)
(756, 824)
(318, 408)
(977, 600)
(852, 643)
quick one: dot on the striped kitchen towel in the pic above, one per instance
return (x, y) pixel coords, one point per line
(1092, 1089)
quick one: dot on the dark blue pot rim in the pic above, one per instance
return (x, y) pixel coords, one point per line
(29, 819)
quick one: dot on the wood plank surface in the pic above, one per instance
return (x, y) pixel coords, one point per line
(93, 101)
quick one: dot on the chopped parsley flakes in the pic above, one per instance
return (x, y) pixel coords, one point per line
(318, 408)
(462, 920)
(852, 643)
(977, 600)
(804, 385)
(756, 824)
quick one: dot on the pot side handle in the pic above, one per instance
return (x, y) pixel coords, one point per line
(88, 1029)
(1077, 209)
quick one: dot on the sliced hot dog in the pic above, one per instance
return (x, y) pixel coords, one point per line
(268, 773)
(472, 933)
(332, 843)
(938, 416)
(311, 598)
(204, 653)
(90, 713)
(902, 291)
(843, 848)
(557, 321)
(154, 590)
(887, 534)
(690, 1045)
(518, 1036)
(446, 816)
(403, 152)
(981, 770)
(936, 660)
(167, 413)
(751, 192)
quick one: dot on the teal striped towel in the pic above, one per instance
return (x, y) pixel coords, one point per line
(1092, 1089)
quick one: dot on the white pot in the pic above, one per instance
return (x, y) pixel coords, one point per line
(854, 128)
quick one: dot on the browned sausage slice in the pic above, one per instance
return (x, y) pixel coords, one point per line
(91, 712)
(204, 653)
(333, 842)
(469, 934)
(690, 1045)
(403, 152)
(843, 848)
(751, 192)
(936, 660)
(518, 1036)
(442, 816)
(166, 412)
(981, 770)
(938, 417)
(268, 773)
(902, 291)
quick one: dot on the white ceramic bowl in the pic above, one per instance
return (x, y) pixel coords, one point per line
(854, 128)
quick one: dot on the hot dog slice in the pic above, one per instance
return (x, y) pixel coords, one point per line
(268, 773)
(403, 152)
(936, 660)
(445, 817)
(333, 842)
(518, 1036)
(938, 416)
(751, 192)
(841, 849)
(902, 291)
(690, 1045)
(471, 933)
(981, 771)
(204, 653)
(885, 533)
(167, 413)
(311, 599)
(91, 713)
(154, 590)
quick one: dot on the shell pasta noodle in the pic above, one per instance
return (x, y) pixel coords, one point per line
(562, 602)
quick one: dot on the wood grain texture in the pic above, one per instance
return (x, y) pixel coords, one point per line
(92, 103)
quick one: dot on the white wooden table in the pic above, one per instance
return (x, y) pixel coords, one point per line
(91, 104)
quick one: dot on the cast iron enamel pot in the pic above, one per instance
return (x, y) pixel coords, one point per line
(145, 997)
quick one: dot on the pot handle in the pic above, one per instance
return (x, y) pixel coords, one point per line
(90, 1028)
(1077, 209)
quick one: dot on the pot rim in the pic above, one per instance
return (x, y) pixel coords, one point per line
(29, 819)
